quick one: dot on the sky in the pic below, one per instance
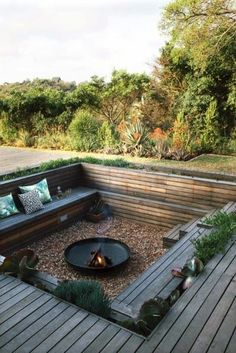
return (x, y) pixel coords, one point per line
(76, 39)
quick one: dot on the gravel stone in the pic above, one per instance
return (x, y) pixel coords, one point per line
(144, 241)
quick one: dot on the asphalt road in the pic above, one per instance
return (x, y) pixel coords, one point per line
(12, 158)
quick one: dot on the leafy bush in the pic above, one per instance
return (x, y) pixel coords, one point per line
(210, 134)
(54, 140)
(210, 245)
(87, 294)
(8, 133)
(24, 139)
(232, 142)
(161, 140)
(181, 138)
(108, 139)
(83, 131)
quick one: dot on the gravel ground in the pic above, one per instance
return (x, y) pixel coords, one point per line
(145, 243)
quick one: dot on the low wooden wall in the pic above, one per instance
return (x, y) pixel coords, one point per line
(65, 177)
(150, 197)
(157, 198)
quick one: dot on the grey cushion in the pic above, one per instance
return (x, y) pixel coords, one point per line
(31, 201)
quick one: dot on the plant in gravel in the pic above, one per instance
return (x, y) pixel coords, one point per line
(215, 242)
(22, 264)
(87, 294)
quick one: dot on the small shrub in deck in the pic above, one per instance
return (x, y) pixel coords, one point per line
(88, 295)
(214, 243)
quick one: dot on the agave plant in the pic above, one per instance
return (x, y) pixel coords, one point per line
(22, 263)
(191, 269)
(135, 136)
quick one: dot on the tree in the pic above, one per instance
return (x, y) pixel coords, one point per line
(197, 65)
(200, 27)
(118, 95)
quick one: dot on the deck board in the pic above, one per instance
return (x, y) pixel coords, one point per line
(117, 342)
(74, 335)
(226, 329)
(103, 339)
(232, 343)
(16, 313)
(61, 332)
(89, 336)
(28, 321)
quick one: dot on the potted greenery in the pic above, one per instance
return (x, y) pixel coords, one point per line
(98, 211)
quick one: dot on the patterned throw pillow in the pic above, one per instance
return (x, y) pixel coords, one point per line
(7, 206)
(41, 187)
(31, 201)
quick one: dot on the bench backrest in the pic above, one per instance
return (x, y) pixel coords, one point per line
(68, 177)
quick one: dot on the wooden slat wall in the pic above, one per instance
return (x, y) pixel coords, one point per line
(181, 190)
(149, 211)
(67, 177)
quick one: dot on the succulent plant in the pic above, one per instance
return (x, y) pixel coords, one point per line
(191, 269)
(21, 263)
(174, 297)
(150, 314)
(152, 311)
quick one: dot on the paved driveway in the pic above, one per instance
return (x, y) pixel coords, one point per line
(12, 158)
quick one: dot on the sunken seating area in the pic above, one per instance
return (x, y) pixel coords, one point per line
(150, 197)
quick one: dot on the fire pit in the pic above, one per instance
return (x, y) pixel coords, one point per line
(97, 255)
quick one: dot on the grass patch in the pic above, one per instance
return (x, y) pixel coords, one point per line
(57, 163)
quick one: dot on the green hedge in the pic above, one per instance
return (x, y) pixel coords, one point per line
(64, 162)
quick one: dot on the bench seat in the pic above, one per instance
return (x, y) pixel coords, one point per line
(19, 228)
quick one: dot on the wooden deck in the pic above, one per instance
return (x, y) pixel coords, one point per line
(202, 320)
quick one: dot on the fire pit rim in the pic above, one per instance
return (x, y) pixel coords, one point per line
(93, 269)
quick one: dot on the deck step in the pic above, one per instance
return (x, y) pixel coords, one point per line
(172, 236)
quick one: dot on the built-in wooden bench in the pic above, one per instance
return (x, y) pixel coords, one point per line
(18, 229)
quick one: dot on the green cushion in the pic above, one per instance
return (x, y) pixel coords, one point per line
(7, 206)
(41, 187)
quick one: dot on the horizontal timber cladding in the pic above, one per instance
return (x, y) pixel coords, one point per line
(181, 190)
(150, 211)
(44, 225)
(67, 177)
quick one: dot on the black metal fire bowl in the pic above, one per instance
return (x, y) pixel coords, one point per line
(78, 254)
